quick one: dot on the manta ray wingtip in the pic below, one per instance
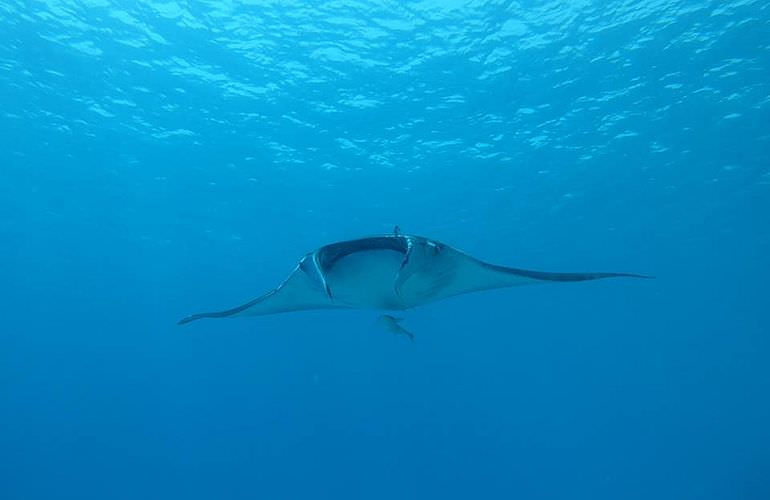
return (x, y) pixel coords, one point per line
(188, 319)
(641, 276)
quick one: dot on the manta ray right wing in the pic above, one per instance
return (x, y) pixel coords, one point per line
(441, 271)
(473, 274)
(526, 274)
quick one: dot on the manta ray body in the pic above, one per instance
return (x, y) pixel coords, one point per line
(389, 272)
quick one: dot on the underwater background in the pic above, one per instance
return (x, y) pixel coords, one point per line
(162, 158)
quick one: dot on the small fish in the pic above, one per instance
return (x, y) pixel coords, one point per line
(391, 324)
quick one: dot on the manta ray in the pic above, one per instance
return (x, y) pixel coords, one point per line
(388, 272)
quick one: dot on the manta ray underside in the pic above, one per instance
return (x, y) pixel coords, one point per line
(389, 272)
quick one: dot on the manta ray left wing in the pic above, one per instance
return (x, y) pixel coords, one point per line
(300, 291)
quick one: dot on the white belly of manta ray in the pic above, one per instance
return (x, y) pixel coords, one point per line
(389, 272)
(366, 280)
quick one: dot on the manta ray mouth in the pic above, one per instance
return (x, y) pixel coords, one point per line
(329, 255)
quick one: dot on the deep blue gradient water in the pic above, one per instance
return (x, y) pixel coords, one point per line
(158, 159)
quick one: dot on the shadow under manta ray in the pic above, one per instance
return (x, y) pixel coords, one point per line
(389, 272)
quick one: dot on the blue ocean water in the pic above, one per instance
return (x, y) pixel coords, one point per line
(162, 158)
